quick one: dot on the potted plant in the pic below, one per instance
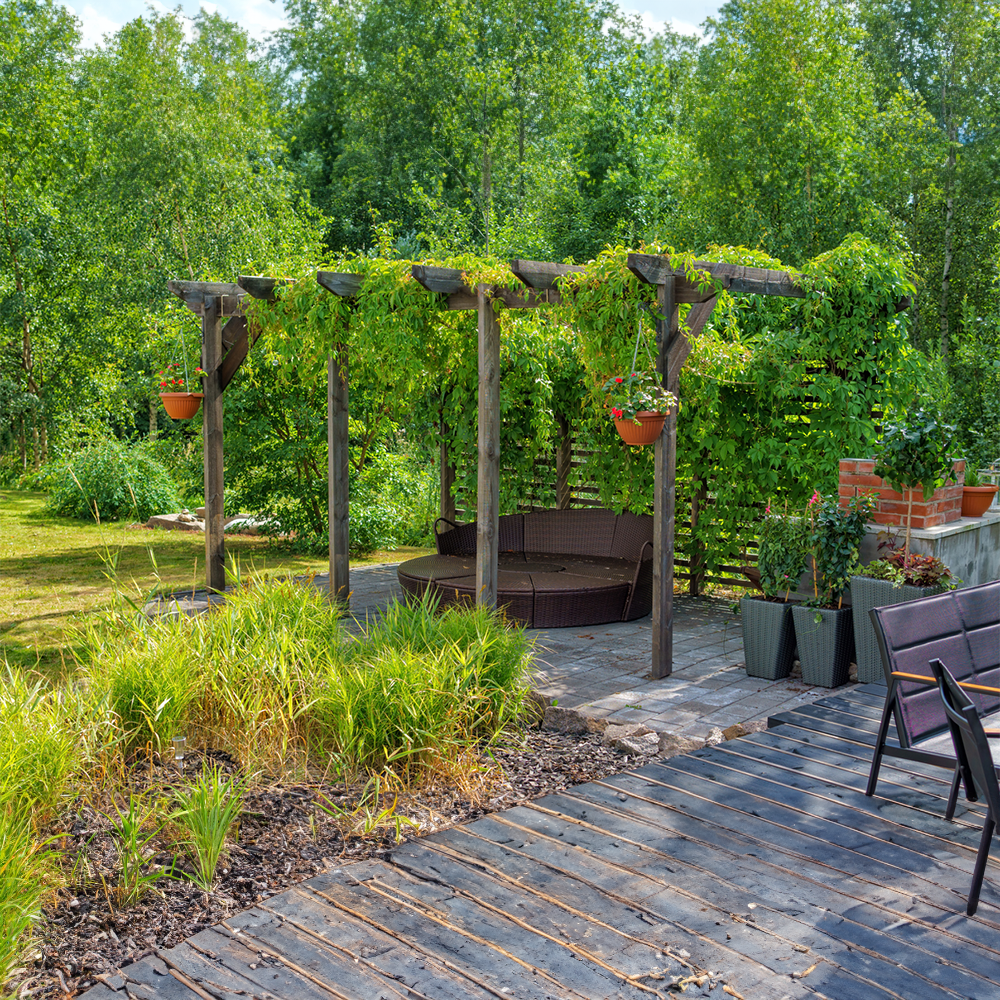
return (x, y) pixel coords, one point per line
(823, 627)
(891, 579)
(639, 405)
(976, 496)
(768, 632)
(914, 454)
(174, 386)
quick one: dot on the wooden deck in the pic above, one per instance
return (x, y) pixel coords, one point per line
(755, 869)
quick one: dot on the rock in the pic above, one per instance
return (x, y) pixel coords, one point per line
(175, 522)
(570, 722)
(715, 736)
(626, 730)
(672, 744)
(533, 708)
(637, 746)
(744, 729)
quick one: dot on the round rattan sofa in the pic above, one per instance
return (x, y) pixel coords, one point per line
(557, 568)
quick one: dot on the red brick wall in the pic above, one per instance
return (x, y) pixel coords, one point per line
(946, 504)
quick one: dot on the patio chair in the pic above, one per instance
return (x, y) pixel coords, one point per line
(962, 628)
(975, 763)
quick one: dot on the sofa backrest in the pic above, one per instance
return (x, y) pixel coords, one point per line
(957, 628)
(586, 531)
(632, 531)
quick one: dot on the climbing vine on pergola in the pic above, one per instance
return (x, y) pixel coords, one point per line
(399, 322)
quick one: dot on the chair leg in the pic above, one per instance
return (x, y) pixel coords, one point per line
(883, 731)
(956, 781)
(981, 858)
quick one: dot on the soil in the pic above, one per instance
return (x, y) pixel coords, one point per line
(284, 837)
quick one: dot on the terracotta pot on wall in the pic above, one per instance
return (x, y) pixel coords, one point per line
(976, 500)
(182, 405)
(645, 432)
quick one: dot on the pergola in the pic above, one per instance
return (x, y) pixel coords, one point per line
(225, 346)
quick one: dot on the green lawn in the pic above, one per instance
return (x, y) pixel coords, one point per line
(54, 570)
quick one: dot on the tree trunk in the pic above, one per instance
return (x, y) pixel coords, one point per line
(949, 216)
(22, 446)
(487, 195)
(34, 440)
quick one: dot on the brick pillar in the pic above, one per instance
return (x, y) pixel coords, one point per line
(945, 505)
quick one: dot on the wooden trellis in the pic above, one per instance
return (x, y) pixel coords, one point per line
(225, 347)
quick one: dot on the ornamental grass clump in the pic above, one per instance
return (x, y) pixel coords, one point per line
(25, 878)
(273, 677)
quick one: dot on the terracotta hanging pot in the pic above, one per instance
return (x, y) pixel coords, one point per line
(645, 432)
(182, 405)
(976, 500)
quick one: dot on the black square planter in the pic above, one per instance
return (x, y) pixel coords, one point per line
(768, 637)
(826, 647)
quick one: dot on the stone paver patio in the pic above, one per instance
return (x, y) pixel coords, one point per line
(603, 670)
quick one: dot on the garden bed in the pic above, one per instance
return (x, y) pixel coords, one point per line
(284, 838)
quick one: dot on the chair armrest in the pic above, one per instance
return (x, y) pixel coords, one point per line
(930, 682)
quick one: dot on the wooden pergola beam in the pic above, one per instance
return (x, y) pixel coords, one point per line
(542, 274)
(733, 278)
(227, 295)
(341, 283)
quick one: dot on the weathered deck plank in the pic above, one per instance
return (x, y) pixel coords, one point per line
(759, 861)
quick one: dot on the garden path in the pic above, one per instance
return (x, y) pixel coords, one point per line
(756, 869)
(603, 671)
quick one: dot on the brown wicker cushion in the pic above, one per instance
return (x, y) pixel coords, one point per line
(587, 532)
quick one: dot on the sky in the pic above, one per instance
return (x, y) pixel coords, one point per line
(260, 17)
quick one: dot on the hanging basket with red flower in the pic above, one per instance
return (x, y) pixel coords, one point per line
(174, 386)
(639, 405)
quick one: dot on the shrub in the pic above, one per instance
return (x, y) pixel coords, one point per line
(113, 481)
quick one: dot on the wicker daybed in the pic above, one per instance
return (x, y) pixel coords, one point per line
(557, 568)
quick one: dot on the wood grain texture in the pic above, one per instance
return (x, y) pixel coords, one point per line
(259, 287)
(443, 280)
(664, 495)
(758, 865)
(733, 278)
(227, 296)
(340, 282)
(488, 482)
(542, 274)
(211, 346)
(338, 474)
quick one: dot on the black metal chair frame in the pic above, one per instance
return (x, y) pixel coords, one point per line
(974, 764)
(901, 685)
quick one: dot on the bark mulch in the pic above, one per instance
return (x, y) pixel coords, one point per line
(284, 837)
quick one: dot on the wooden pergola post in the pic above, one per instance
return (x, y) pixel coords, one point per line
(488, 483)
(664, 495)
(338, 475)
(338, 491)
(215, 520)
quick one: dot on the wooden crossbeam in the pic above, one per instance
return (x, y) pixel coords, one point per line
(451, 282)
(259, 287)
(734, 278)
(542, 274)
(340, 282)
(226, 294)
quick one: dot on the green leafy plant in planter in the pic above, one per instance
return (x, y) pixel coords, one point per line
(768, 632)
(890, 579)
(823, 626)
(914, 454)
